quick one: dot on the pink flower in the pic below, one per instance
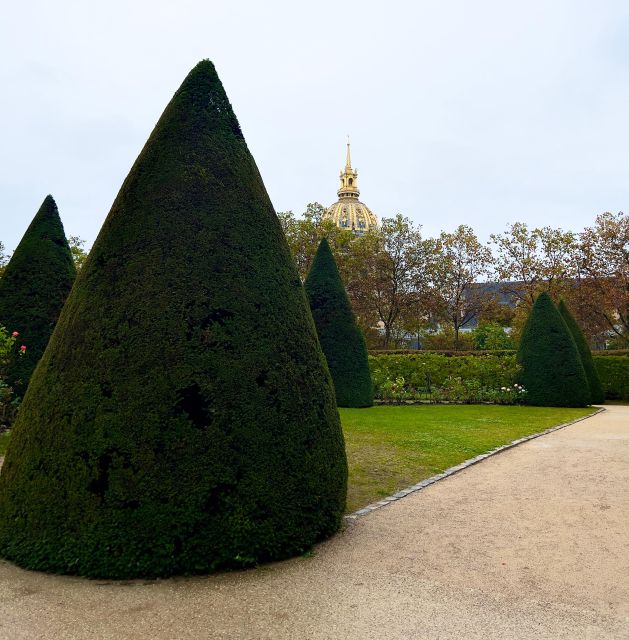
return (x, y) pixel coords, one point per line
(23, 348)
(15, 334)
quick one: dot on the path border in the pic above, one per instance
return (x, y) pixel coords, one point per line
(370, 508)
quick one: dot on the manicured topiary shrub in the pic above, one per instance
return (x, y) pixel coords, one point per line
(552, 372)
(341, 340)
(597, 395)
(182, 418)
(33, 288)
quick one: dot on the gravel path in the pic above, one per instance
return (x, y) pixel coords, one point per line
(532, 543)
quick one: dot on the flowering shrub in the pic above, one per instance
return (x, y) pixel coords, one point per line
(8, 402)
(512, 395)
(425, 374)
(454, 390)
(427, 370)
(394, 390)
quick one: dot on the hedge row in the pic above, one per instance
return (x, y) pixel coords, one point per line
(423, 369)
(478, 352)
(442, 352)
(614, 374)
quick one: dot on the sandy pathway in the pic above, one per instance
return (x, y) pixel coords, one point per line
(533, 543)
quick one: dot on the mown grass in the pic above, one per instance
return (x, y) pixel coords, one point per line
(392, 447)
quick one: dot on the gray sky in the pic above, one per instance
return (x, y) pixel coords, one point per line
(459, 112)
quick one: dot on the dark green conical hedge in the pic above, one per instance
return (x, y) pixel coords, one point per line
(182, 418)
(597, 395)
(552, 372)
(341, 340)
(33, 288)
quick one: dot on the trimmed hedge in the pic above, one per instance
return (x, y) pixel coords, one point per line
(614, 374)
(33, 288)
(442, 352)
(611, 352)
(597, 395)
(341, 339)
(183, 417)
(423, 370)
(479, 352)
(492, 371)
(552, 372)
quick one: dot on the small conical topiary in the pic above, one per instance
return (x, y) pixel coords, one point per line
(552, 372)
(341, 339)
(182, 418)
(33, 288)
(597, 395)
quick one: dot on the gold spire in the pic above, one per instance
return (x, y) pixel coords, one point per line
(349, 179)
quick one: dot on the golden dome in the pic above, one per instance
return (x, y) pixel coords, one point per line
(349, 212)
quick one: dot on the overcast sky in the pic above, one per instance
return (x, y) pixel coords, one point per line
(480, 112)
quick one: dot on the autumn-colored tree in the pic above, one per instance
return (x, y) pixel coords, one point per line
(461, 262)
(304, 235)
(602, 299)
(389, 269)
(528, 261)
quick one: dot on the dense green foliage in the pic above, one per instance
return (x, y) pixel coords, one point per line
(341, 339)
(491, 336)
(552, 371)
(33, 288)
(182, 418)
(442, 352)
(390, 448)
(9, 402)
(4, 441)
(597, 395)
(613, 372)
(423, 370)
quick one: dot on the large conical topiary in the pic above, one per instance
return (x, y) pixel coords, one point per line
(182, 418)
(341, 340)
(33, 288)
(597, 395)
(552, 372)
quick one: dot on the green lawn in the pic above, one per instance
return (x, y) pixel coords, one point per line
(392, 447)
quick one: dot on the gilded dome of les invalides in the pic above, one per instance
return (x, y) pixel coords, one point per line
(349, 212)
